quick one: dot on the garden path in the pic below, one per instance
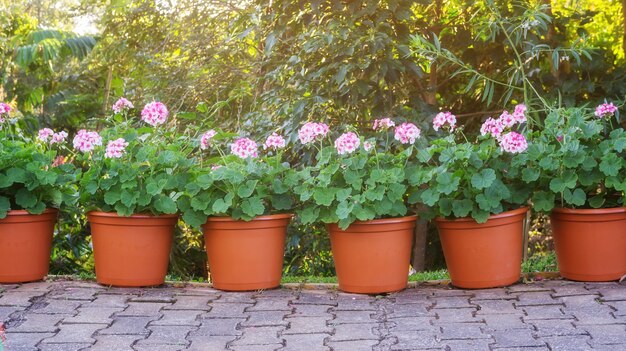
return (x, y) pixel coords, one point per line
(548, 315)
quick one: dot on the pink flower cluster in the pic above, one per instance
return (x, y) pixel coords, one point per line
(311, 131)
(4, 110)
(347, 143)
(244, 148)
(205, 140)
(116, 148)
(154, 113)
(368, 145)
(122, 104)
(86, 141)
(443, 118)
(274, 142)
(605, 110)
(407, 133)
(495, 127)
(513, 142)
(48, 135)
(383, 124)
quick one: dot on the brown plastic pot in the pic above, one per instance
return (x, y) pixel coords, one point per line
(590, 243)
(483, 255)
(246, 255)
(131, 251)
(25, 242)
(373, 257)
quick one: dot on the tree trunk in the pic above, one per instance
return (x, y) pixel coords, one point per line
(107, 90)
(624, 26)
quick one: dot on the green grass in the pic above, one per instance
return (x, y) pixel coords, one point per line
(541, 263)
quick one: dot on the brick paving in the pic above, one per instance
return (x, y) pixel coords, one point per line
(547, 315)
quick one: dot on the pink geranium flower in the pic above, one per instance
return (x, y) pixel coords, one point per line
(116, 148)
(383, 124)
(244, 148)
(86, 141)
(274, 142)
(347, 143)
(312, 131)
(407, 133)
(493, 127)
(444, 118)
(155, 113)
(605, 110)
(122, 104)
(513, 142)
(205, 140)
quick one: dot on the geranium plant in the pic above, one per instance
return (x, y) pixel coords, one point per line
(33, 173)
(577, 160)
(457, 178)
(133, 166)
(234, 178)
(356, 178)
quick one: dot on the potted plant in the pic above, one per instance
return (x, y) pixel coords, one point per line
(34, 182)
(243, 201)
(358, 188)
(477, 198)
(577, 165)
(129, 189)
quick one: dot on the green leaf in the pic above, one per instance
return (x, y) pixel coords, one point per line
(5, 181)
(543, 201)
(324, 196)
(194, 218)
(16, 175)
(484, 179)
(344, 209)
(111, 197)
(165, 204)
(205, 181)
(462, 208)
(5, 206)
(447, 183)
(309, 215)
(246, 189)
(530, 174)
(220, 206)
(282, 202)
(25, 198)
(611, 164)
(430, 197)
(253, 207)
(596, 201)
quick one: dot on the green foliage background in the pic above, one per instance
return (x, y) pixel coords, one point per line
(259, 66)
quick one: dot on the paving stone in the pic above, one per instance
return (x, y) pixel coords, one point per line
(591, 316)
(191, 303)
(555, 328)
(504, 322)
(36, 323)
(352, 303)
(464, 345)
(161, 347)
(541, 298)
(218, 326)
(75, 333)
(301, 342)
(352, 345)
(265, 319)
(359, 331)
(545, 312)
(271, 304)
(310, 311)
(259, 336)
(515, 338)
(24, 341)
(206, 343)
(447, 292)
(342, 317)
(461, 315)
(197, 290)
(114, 342)
(619, 306)
(452, 302)
(568, 343)
(496, 307)
(166, 335)
(600, 347)
(108, 300)
(19, 298)
(63, 347)
(236, 297)
(410, 296)
(308, 325)
(411, 323)
(492, 294)
(606, 334)
(584, 301)
(618, 293)
(143, 309)
(225, 310)
(128, 326)
(75, 293)
(179, 317)
(7, 287)
(416, 340)
(268, 347)
(93, 315)
(570, 290)
(463, 331)
(41, 287)
(57, 307)
(315, 298)
(532, 287)
(6, 311)
(413, 310)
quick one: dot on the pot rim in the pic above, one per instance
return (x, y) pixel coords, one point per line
(115, 215)
(391, 220)
(258, 218)
(589, 211)
(26, 213)
(506, 214)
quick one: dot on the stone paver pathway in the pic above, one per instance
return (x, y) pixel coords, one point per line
(549, 315)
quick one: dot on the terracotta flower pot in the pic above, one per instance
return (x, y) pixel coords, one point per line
(373, 256)
(246, 255)
(590, 243)
(25, 242)
(131, 251)
(483, 255)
